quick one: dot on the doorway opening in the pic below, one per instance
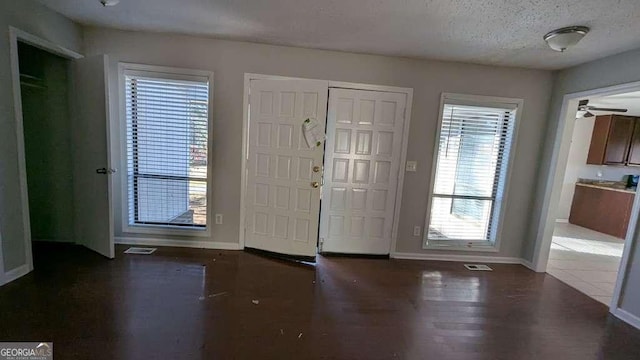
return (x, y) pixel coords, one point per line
(595, 217)
(46, 119)
(61, 112)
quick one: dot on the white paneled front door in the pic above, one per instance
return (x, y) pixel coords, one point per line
(362, 161)
(282, 200)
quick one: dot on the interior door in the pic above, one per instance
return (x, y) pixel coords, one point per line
(362, 161)
(91, 159)
(283, 173)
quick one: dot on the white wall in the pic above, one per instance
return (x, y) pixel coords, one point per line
(30, 16)
(230, 60)
(614, 70)
(577, 166)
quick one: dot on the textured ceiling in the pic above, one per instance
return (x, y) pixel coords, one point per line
(499, 32)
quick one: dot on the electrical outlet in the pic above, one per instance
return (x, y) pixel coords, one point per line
(218, 219)
(416, 231)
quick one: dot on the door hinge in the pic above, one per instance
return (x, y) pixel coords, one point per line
(320, 244)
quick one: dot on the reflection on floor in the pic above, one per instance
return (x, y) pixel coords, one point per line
(181, 303)
(586, 260)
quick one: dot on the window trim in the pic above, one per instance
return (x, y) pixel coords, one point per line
(477, 100)
(165, 73)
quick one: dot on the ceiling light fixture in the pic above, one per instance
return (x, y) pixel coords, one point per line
(106, 3)
(562, 39)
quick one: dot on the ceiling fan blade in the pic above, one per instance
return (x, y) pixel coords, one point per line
(605, 109)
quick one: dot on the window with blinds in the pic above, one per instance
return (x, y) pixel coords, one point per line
(167, 137)
(472, 159)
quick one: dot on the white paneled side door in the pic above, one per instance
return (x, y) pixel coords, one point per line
(92, 170)
(282, 200)
(362, 161)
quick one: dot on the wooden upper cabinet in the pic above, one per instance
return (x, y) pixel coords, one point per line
(634, 150)
(619, 140)
(611, 139)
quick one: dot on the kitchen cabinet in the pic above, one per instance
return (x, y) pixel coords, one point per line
(611, 140)
(634, 148)
(602, 209)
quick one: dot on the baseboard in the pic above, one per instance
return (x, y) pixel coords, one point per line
(14, 274)
(528, 264)
(564, 221)
(53, 241)
(465, 258)
(198, 244)
(627, 317)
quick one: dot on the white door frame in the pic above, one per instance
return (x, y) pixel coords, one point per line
(332, 84)
(2, 275)
(16, 35)
(557, 167)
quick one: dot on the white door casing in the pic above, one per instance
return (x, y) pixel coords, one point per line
(362, 163)
(93, 217)
(281, 205)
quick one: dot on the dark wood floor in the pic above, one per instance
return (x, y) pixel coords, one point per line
(198, 304)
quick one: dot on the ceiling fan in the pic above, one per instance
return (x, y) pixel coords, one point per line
(585, 109)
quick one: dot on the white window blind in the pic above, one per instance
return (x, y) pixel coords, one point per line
(471, 167)
(167, 137)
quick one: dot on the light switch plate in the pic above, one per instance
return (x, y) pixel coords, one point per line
(416, 231)
(412, 166)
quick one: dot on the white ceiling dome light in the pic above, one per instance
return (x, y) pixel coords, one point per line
(564, 38)
(106, 3)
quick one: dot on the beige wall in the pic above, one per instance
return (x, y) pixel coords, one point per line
(32, 17)
(614, 70)
(230, 60)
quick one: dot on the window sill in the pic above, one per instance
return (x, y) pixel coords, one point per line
(460, 245)
(166, 230)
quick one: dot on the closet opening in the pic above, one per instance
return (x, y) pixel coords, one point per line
(46, 119)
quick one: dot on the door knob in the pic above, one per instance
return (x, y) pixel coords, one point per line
(106, 171)
(315, 184)
(316, 169)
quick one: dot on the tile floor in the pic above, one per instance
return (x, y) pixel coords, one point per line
(586, 260)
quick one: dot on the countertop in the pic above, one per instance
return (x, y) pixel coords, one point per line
(607, 187)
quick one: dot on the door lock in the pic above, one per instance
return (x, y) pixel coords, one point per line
(315, 184)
